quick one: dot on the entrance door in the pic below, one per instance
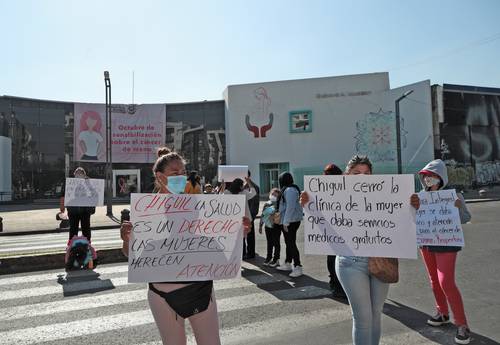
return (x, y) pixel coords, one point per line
(269, 173)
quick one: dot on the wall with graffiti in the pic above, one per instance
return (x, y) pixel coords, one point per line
(469, 131)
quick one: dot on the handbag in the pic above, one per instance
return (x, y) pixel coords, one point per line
(384, 269)
(276, 217)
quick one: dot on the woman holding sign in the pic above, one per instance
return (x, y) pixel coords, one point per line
(172, 302)
(440, 260)
(366, 294)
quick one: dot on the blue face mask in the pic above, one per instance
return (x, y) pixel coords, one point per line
(177, 184)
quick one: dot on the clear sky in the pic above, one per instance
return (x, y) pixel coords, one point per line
(191, 50)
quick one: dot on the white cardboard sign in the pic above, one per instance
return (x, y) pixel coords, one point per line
(178, 237)
(438, 220)
(228, 173)
(84, 192)
(360, 215)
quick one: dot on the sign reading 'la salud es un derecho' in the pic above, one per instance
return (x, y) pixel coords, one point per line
(182, 237)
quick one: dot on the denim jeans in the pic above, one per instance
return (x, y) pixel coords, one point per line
(366, 296)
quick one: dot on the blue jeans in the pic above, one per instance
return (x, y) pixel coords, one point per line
(366, 296)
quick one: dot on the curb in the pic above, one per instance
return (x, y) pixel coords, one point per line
(43, 262)
(475, 201)
(55, 231)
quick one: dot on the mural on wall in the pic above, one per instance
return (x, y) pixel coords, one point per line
(259, 114)
(470, 133)
(376, 135)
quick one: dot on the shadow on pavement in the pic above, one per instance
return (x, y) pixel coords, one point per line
(307, 286)
(81, 282)
(416, 320)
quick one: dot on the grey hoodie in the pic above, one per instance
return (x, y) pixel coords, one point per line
(438, 167)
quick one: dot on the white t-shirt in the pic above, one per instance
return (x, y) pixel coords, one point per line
(91, 140)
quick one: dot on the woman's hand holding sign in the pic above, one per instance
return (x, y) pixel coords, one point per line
(125, 230)
(247, 225)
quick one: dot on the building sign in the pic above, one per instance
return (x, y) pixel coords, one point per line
(136, 132)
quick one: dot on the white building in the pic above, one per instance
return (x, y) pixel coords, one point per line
(301, 125)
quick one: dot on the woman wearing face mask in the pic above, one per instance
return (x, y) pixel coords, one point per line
(170, 177)
(440, 261)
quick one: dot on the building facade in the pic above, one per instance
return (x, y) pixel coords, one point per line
(295, 125)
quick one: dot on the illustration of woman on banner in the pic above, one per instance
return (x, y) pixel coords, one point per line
(90, 139)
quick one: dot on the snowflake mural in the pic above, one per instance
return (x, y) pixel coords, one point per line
(376, 135)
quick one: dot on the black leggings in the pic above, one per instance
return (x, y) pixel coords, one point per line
(74, 220)
(273, 236)
(292, 252)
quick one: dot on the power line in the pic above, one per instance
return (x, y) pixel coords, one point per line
(453, 51)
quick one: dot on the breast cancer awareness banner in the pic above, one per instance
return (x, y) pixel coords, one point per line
(136, 132)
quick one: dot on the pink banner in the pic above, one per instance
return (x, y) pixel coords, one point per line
(136, 132)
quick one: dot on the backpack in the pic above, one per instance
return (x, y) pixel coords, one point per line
(80, 254)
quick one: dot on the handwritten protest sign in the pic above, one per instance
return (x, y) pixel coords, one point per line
(178, 237)
(84, 192)
(360, 215)
(228, 173)
(438, 220)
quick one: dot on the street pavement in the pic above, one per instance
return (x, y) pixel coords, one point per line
(263, 307)
(54, 243)
(42, 218)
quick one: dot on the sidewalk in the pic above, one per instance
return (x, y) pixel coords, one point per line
(44, 220)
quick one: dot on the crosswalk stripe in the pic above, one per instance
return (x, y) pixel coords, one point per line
(66, 330)
(272, 327)
(56, 241)
(57, 236)
(60, 245)
(92, 285)
(54, 276)
(85, 303)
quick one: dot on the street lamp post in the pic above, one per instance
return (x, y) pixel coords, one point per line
(398, 130)
(109, 158)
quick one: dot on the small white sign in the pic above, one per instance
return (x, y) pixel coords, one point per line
(228, 173)
(84, 192)
(438, 220)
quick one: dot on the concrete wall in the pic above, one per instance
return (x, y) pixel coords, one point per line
(350, 114)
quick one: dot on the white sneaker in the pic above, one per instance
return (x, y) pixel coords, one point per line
(274, 263)
(285, 267)
(297, 272)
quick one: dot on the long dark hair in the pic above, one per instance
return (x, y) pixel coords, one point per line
(236, 186)
(286, 180)
(192, 178)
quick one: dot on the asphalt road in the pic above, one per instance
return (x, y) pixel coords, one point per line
(263, 307)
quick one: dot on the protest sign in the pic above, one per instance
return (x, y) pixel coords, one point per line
(360, 215)
(228, 173)
(84, 192)
(438, 220)
(180, 237)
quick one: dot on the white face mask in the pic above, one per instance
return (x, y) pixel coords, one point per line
(273, 198)
(430, 181)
